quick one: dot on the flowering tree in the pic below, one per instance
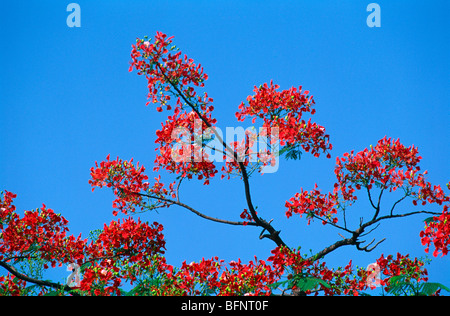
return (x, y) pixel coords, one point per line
(130, 252)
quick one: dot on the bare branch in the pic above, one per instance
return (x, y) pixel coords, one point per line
(194, 210)
(379, 199)
(359, 232)
(370, 231)
(331, 223)
(178, 190)
(333, 247)
(368, 249)
(406, 214)
(370, 198)
(395, 204)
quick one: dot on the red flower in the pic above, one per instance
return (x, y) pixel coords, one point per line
(437, 232)
(128, 182)
(313, 203)
(284, 110)
(389, 165)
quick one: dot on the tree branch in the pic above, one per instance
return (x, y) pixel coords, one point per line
(218, 220)
(26, 278)
(357, 233)
(370, 198)
(395, 204)
(273, 234)
(333, 247)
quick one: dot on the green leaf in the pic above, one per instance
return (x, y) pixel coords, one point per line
(279, 283)
(291, 151)
(309, 283)
(302, 281)
(397, 285)
(429, 220)
(397, 280)
(445, 288)
(430, 288)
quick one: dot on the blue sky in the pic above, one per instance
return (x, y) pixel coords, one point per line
(68, 100)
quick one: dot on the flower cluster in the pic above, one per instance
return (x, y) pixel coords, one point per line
(284, 110)
(196, 278)
(119, 250)
(437, 231)
(210, 277)
(11, 286)
(388, 165)
(283, 258)
(6, 206)
(169, 74)
(125, 178)
(128, 181)
(128, 250)
(38, 234)
(346, 280)
(181, 143)
(255, 151)
(313, 203)
(391, 266)
(251, 279)
(341, 281)
(166, 70)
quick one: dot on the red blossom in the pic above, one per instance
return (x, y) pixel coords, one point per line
(41, 232)
(106, 261)
(437, 232)
(389, 165)
(313, 203)
(121, 244)
(179, 151)
(391, 266)
(284, 110)
(165, 69)
(171, 74)
(11, 286)
(253, 278)
(129, 184)
(341, 281)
